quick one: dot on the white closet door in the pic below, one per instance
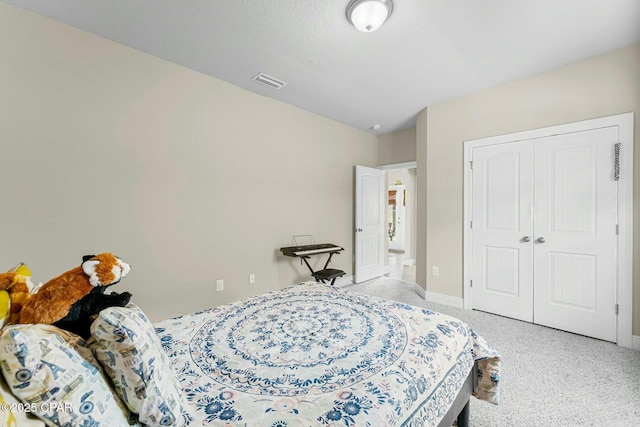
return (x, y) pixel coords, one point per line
(575, 215)
(503, 230)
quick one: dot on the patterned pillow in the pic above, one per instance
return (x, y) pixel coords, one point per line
(125, 343)
(12, 411)
(56, 376)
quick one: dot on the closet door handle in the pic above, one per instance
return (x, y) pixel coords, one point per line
(526, 239)
(540, 240)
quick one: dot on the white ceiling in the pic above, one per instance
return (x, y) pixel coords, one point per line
(427, 52)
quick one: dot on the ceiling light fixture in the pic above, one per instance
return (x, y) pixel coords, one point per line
(368, 15)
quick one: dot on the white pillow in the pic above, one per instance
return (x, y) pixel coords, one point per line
(125, 343)
(55, 374)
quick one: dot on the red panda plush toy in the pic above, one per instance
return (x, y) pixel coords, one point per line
(70, 300)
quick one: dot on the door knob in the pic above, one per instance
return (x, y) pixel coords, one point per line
(540, 240)
(526, 239)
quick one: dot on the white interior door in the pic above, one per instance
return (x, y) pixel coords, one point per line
(575, 233)
(503, 229)
(370, 220)
(544, 231)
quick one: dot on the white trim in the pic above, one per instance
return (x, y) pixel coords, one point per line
(624, 122)
(636, 343)
(400, 166)
(409, 262)
(625, 234)
(443, 299)
(467, 191)
(394, 166)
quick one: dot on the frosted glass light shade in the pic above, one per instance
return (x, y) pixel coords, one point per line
(368, 15)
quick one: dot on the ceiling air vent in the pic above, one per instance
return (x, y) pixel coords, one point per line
(269, 81)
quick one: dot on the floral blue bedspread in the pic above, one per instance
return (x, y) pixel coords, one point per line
(312, 355)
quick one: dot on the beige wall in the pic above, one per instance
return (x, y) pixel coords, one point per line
(186, 177)
(605, 85)
(397, 147)
(421, 189)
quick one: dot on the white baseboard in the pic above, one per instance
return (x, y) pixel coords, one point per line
(443, 299)
(635, 343)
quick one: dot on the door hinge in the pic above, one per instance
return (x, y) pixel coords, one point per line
(471, 283)
(616, 162)
(617, 229)
(470, 224)
(471, 164)
(617, 309)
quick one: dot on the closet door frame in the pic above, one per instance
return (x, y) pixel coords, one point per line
(624, 285)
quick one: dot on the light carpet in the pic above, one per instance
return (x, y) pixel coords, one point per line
(549, 377)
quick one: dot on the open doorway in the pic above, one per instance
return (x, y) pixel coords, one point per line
(401, 221)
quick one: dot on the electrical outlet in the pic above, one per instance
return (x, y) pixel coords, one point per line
(252, 279)
(435, 271)
(219, 285)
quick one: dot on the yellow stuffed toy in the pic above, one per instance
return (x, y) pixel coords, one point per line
(15, 291)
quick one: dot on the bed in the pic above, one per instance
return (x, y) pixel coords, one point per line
(307, 355)
(313, 354)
